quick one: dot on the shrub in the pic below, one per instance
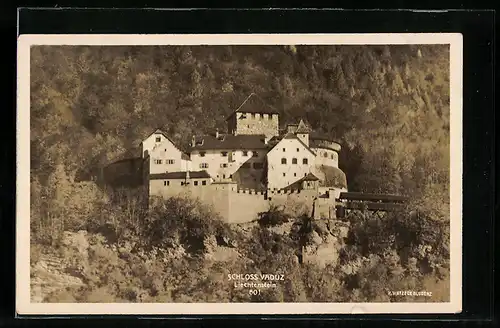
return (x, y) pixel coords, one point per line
(274, 217)
(181, 221)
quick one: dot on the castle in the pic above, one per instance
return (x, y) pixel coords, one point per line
(255, 164)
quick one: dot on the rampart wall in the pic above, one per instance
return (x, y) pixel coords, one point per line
(244, 205)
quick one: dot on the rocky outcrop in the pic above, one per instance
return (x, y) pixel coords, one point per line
(325, 242)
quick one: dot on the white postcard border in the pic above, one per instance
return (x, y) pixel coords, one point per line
(23, 300)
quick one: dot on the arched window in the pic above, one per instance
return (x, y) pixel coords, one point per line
(283, 161)
(325, 154)
(304, 161)
(294, 161)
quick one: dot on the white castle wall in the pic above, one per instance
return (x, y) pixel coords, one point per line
(282, 175)
(226, 168)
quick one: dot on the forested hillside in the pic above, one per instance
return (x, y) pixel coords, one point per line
(389, 106)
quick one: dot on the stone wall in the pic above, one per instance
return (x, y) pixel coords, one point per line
(247, 123)
(244, 205)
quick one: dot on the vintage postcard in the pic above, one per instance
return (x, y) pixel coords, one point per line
(239, 174)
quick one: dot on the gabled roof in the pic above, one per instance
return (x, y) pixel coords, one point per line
(298, 184)
(293, 136)
(302, 128)
(159, 131)
(179, 175)
(254, 104)
(309, 177)
(229, 142)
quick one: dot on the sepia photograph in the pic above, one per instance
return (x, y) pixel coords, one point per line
(207, 176)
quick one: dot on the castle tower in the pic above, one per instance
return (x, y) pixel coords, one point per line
(254, 116)
(303, 133)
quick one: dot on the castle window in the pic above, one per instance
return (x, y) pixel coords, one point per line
(204, 166)
(164, 183)
(230, 176)
(255, 154)
(283, 161)
(245, 153)
(294, 161)
(257, 166)
(332, 156)
(223, 153)
(223, 165)
(295, 174)
(158, 139)
(202, 154)
(223, 176)
(284, 149)
(305, 174)
(158, 161)
(170, 161)
(270, 116)
(325, 154)
(284, 174)
(253, 115)
(304, 161)
(298, 149)
(204, 182)
(196, 183)
(182, 183)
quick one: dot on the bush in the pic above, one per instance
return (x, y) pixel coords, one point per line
(181, 221)
(274, 217)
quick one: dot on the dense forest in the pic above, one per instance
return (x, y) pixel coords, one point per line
(389, 106)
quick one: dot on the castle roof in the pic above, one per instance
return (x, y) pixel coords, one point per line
(309, 177)
(298, 184)
(333, 177)
(320, 143)
(254, 104)
(179, 175)
(229, 141)
(159, 131)
(291, 135)
(321, 136)
(302, 128)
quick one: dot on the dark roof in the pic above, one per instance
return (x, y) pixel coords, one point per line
(229, 141)
(334, 177)
(310, 177)
(320, 143)
(255, 104)
(179, 175)
(298, 184)
(321, 136)
(302, 128)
